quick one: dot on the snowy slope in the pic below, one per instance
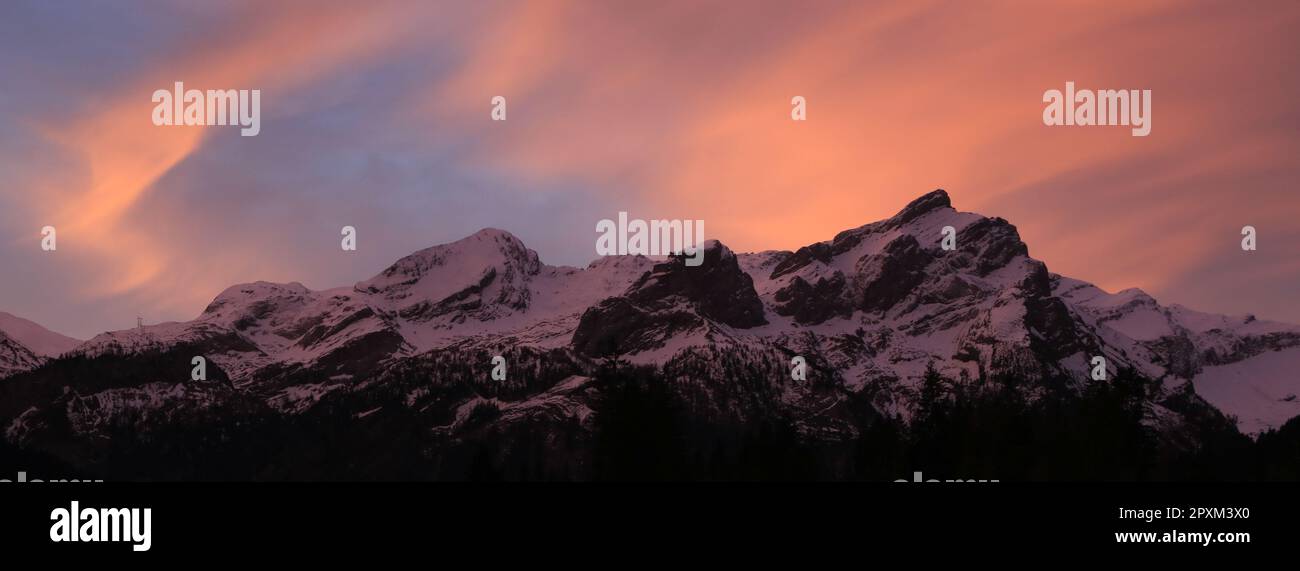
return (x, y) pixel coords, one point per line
(1262, 392)
(38, 339)
(1246, 367)
(15, 357)
(24, 345)
(486, 287)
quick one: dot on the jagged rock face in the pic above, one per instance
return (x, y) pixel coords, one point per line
(925, 204)
(879, 280)
(619, 326)
(672, 299)
(885, 301)
(883, 279)
(14, 357)
(823, 252)
(871, 268)
(814, 303)
(987, 245)
(717, 289)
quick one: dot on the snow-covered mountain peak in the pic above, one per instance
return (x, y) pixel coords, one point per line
(934, 200)
(486, 273)
(257, 298)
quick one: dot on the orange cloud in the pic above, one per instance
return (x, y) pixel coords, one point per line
(681, 109)
(276, 48)
(689, 120)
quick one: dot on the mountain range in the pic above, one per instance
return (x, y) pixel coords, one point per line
(878, 313)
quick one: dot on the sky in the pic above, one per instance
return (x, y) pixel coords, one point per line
(377, 115)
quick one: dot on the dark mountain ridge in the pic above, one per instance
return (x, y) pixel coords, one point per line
(913, 354)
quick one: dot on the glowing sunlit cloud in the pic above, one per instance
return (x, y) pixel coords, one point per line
(903, 97)
(125, 155)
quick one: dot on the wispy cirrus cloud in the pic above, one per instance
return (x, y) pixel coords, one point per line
(111, 156)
